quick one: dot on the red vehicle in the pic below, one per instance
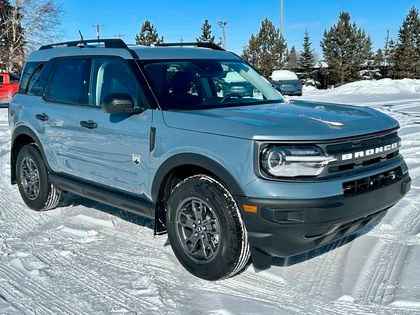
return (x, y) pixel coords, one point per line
(9, 85)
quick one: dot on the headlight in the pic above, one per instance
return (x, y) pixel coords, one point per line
(294, 161)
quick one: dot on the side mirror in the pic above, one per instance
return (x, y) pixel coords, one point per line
(120, 103)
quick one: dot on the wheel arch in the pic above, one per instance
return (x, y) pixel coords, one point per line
(179, 167)
(23, 135)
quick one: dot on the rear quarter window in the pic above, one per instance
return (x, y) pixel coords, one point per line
(27, 75)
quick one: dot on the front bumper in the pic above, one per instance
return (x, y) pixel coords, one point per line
(285, 228)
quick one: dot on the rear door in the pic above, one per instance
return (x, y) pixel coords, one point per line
(56, 112)
(114, 148)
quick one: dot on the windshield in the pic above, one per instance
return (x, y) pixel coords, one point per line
(200, 84)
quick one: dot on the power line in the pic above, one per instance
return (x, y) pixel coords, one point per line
(119, 35)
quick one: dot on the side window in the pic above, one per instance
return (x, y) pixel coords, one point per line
(1, 79)
(33, 86)
(113, 76)
(26, 76)
(68, 84)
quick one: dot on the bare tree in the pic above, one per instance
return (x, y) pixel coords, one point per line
(30, 23)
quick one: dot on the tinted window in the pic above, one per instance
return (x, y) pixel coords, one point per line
(195, 84)
(26, 76)
(1, 79)
(33, 87)
(113, 76)
(67, 85)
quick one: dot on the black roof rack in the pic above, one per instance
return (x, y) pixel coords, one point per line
(109, 43)
(196, 44)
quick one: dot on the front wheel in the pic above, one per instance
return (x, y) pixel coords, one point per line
(205, 229)
(33, 181)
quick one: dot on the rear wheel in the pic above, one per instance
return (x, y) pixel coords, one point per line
(33, 181)
(205, 229)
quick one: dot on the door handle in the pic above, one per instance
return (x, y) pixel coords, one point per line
(42, 117)
(90, 124)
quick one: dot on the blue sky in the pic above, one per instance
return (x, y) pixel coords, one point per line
(176, 19)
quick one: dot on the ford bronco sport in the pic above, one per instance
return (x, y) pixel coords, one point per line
(228, 175)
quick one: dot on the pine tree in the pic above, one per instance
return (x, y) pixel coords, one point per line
(205, 36)
(405, 59)
(346, 50)
(306, 58)
(379, 59)
(292, 59)
(148, 35)
(266, 50)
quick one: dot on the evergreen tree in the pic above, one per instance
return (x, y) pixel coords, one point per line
(379, 59)
(389, 53)
(405, 59)
(266, 50)
(379, 63)
(346, 50)
(306, 58)
(206, 36)
(292, 59)
(148, 35)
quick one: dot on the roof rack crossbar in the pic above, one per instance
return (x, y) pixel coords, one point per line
(109, 43)
(196, 44)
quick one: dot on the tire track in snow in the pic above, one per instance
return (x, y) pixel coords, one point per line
(45, 300)
(92, 281)
(383, 265)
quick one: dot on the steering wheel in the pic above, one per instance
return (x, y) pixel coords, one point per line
(229, 96)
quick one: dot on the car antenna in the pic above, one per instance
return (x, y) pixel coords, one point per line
(81, 36)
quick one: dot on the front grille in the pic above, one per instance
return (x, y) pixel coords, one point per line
(359, 164)
(357, 145)
(362, 185)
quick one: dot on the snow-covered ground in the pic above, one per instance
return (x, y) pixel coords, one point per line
(87, 258)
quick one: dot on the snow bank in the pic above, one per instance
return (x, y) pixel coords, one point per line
(366, 92)
(384, 86)
(309, 88)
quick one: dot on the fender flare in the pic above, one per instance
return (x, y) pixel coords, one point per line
(198, 160)
(19, 131)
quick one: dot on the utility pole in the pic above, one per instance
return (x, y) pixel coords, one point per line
(119, 35)
(222, 25)
(97, 28)
(282, 17)
(386, 49)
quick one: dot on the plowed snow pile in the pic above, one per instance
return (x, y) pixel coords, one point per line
(368, 91)
(87, 258)
(384, 86)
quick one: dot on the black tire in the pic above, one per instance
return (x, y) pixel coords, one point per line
(48, 195)
(232, 244)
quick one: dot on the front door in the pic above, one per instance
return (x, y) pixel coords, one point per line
(113, 149)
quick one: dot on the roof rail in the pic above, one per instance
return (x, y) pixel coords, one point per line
(109, 43)
(196, 44)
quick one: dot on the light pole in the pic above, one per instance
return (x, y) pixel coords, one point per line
(222, 25)
(282, 17)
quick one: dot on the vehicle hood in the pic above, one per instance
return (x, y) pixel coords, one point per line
(297, 120)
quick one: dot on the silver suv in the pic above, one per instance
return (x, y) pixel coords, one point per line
(160, 131)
